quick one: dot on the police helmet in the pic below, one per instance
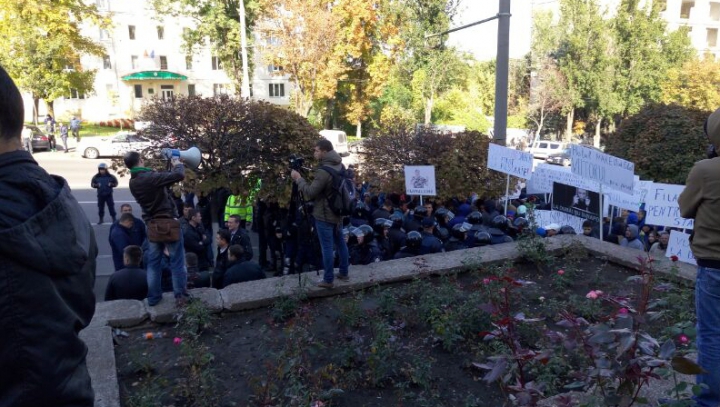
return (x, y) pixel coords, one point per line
(414, 239)
(397, 220)
(420, 212)
(366, 231)
(475, 218)
(520, 223)
(500, 222)
(459, 231)
(102, 166)
(443, 233)
(567, 230)
(380, 224)
(483, 238)
(441, 214)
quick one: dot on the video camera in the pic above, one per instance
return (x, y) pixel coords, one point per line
(296, 163)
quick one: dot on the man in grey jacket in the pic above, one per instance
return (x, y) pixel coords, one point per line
(327, 224)
(47, 273)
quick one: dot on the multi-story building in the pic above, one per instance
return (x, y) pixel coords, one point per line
(145, 59)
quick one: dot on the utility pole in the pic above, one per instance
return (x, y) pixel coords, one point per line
(245, 86)
(501, 73)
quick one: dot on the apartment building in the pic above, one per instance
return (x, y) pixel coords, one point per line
(144, 59)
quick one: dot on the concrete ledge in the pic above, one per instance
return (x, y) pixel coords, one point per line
(210, 296)
(119, 313)
(101, 365)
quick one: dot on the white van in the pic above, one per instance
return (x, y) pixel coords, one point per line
(338, 138)
(541, 149)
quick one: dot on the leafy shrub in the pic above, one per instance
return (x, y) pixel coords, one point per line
(663, 141)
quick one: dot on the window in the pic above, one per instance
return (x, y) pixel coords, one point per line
(161, 32)
(216, 64)
(101, 4)
(554, 146)
(167, 92)
(163, 62)
(272, 68)
(109, 88)
(277, 90)
(191, 90)
(686, 8)
(272, 40)
(712, 36)
(188, 62)
(131, 32)
(106, 62)
(74, 94)
(104, 34)
(138, 91)
(543, 145)
(715, 11)
(134, 61)
(219, 89)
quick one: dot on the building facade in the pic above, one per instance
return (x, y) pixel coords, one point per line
(145, 59)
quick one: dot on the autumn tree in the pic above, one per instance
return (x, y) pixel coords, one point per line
(460, 161)
(301, 36)
(41, 44)
(217, 25)
(696, 85)
(242, 141)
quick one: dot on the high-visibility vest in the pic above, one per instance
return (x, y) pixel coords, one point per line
(236, 205)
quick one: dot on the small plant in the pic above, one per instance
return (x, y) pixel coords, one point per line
(530, 245)
(193, 319)
(148, 393)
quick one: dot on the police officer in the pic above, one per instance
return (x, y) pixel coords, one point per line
(483, 238)
(413, 222)
(459, 236)
(497, 231)
(382, 228)
(475, 219)
(430, 243)
(396, 234)
(413, 248)
(366, 251)
(104, 182)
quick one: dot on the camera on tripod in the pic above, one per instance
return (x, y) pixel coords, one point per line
(296, 163)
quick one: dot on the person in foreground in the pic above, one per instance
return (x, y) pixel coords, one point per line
(700, 201)
(327, 224)
(150, 190)
(47, 274)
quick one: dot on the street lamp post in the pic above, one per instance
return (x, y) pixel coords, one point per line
(245, 86)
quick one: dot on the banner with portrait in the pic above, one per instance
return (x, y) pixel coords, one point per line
(576, 201)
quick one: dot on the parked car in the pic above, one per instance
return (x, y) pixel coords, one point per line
(541, 149)
(563, 158)
(116, 146)
(39, 139)
(338, 138)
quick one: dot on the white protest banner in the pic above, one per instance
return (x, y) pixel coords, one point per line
(622, 200)
(510, 161)
(641, 190)
(679, 245)
(542, 179)
(420, 180)
(661, 206)
(544, 218)
(610, 171)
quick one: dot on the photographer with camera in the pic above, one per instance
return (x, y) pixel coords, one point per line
(327, 223)
(151, 191)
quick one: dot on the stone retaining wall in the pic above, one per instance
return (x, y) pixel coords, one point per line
(261, 293)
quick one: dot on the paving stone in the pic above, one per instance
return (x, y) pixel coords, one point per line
(101, 365)
(164, 312)
(211, 298)
(119, 313)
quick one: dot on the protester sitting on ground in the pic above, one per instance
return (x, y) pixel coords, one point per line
(129, 283)
(413, 248)
(196, 278)
(631, 238)
(658, 249)
(240, 270)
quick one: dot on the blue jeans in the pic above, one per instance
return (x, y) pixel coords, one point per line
(154, 269)
(707, 308)
(330, 235)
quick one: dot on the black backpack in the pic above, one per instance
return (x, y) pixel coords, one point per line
(341, 198)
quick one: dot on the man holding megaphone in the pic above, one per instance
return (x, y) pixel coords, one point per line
(151, 191)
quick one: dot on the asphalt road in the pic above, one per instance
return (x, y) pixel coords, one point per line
(78, 172)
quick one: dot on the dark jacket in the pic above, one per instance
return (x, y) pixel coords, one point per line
(454, 244)
(47, 273)
(120, 238)
(320, 188)
(430, 244)
(149, 188)
(194, 243)
(239, 272)
(127, 284)
(221, 264)
(242, 238)
(406, 252)
(104, 183)
(365, 254)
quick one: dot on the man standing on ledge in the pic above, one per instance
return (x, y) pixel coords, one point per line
(327, 224)
(47, 273)
(700, 201)
(151, 191)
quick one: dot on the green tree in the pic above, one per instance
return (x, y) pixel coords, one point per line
(664, 141)
(696, 85)
(442, 71)
(41, 44)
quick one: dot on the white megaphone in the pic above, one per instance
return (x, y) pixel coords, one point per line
(191, 157)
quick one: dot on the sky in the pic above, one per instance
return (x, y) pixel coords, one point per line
(481, 40)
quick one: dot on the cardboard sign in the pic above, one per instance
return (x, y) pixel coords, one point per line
(542, 179)
(679, 245)
(610, 171)
(661, 206)
(510, 161)
(544, 218)
(641, 190)
(420, 180)
(622, 200)
(577, 202)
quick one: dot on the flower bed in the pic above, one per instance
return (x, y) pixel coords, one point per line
(518, 332)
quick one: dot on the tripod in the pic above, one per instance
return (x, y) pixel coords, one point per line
(304, 227)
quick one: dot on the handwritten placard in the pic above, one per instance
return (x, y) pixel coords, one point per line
(611, 171)
(679, 245)
(544, 218)
(420, 180)
(661, 206)
(510, 161)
